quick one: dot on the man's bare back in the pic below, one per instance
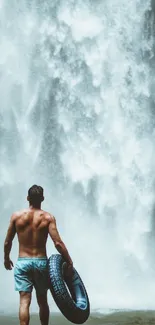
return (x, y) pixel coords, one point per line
(33, 226)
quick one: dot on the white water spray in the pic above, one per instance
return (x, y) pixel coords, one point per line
(76, 118)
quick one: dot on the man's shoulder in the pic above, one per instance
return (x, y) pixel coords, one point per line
(49, 216)
(19, 213)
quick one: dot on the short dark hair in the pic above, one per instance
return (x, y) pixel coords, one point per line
(35, 194)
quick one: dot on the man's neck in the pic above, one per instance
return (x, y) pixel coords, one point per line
(37, 206)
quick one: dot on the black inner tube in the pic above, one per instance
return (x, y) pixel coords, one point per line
(69, 293)
(76, 289)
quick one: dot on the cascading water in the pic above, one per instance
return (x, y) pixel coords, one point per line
(76, 118)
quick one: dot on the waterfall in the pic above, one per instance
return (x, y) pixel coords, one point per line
(76, 116)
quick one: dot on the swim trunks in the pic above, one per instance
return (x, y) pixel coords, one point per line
(31, 272)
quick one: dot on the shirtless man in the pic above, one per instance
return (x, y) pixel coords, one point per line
(32, 226)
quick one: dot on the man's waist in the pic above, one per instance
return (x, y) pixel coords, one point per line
(20, 258)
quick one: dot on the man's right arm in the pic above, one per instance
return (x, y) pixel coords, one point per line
(59, 244)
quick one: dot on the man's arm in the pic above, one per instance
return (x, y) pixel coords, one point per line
(8, 243)
(60, 246)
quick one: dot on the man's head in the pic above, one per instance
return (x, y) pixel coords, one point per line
(35, 195)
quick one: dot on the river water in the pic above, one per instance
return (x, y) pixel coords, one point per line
(125, 318)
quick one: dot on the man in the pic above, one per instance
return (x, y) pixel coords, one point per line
(32, 226)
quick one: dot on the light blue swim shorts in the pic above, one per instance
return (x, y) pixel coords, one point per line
(31, 272)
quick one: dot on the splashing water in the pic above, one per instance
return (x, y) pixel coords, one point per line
(76, 118)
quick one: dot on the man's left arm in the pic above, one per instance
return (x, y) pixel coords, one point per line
(8, 243)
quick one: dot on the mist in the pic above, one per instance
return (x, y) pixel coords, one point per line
(77, 117)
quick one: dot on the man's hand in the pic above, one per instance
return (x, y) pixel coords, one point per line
(8, 264)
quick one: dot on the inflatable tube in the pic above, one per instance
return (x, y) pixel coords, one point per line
(69, 293)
